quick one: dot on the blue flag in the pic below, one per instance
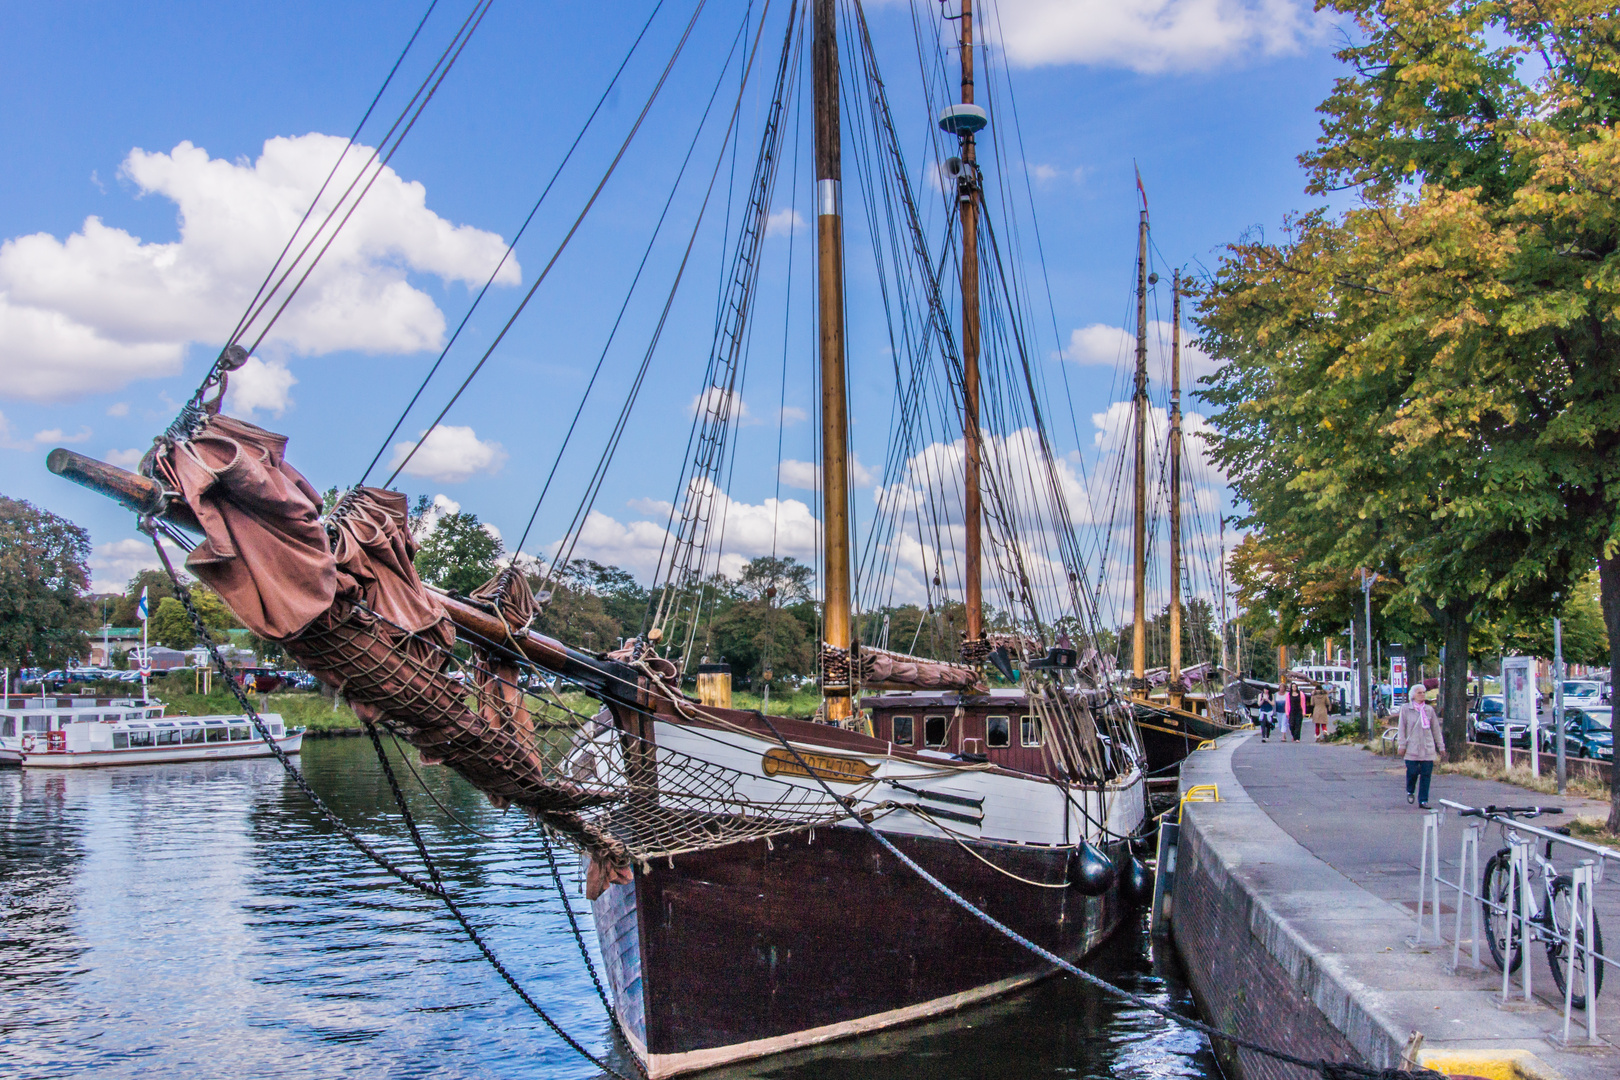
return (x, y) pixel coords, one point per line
(141, 611)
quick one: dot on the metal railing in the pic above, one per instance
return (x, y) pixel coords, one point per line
(1518, 905)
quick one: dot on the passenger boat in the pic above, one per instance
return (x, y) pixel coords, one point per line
(69, 733)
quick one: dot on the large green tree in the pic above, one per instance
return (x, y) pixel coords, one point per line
(43, 577)
(458, 554)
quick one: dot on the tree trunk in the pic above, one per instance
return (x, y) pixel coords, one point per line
(1454, 686)
(1609, 595)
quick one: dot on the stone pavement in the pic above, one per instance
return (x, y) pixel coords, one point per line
(1347, 807)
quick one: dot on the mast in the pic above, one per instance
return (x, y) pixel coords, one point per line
(834, 406)
(1175, 489)
(1139, 522)
(967, 191)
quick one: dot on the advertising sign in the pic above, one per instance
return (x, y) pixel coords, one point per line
(1518, 704)
(1397, 678)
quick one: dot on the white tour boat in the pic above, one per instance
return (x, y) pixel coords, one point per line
(63, 732)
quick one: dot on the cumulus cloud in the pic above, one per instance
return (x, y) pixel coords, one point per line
(787, 527)
(125, 459)
(113, 564)
(1046, 174)
(120, 408)
(103, 308)
(723, 403)
(1151, 35)
(11, 439)
(792, 414)
(450, 455)
(260, 385)
(806, 475)
(783, 222)
(1107, 345)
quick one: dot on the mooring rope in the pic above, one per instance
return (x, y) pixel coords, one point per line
(434, 889)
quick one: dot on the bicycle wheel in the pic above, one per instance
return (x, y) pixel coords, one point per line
(1494, 890)
(1563, 901)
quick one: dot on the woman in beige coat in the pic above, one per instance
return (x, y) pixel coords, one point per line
(1420, 742)
(1319, 712)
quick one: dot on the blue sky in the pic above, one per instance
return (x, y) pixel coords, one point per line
(134, 115)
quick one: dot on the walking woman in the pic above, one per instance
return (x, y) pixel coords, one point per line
(1319, 712)
(1420, 742)
(1296, 712)
(1268, 719)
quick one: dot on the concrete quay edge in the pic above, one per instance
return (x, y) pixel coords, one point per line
(1340, 949)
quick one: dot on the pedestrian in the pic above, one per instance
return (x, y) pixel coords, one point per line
(1268, 719)
(1419, 741)
(1319, 712)
(1296, 712)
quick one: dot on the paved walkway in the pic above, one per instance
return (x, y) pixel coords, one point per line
(1348, 807)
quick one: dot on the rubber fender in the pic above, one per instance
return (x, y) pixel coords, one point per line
(1138, 884)
(1090, 870)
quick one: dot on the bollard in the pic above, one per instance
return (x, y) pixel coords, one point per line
(1467, 870)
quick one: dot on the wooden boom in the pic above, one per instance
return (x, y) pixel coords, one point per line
(149, 498)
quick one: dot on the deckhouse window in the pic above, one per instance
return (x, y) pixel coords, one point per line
(934, 730)
(904, 730)
(239, 732)
(36, 723)
(1031, 734)
(140, 738)
(192, 734)
(120, 741)
(8, 727)
(218, 734)
(997, 731)
(169, 737)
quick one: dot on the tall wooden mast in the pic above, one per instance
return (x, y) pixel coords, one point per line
(967, 200)
(1175, 490)
(834, 406)
(1139, 522)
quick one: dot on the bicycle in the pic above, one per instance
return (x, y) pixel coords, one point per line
(1550, 912)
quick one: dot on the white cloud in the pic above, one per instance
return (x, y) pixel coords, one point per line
(103, 308)
(723, 403)
(118, 409)
(11, 440)
(443, 506)
(784, 221)
(113, 564)
(260, 385)
(806, 475)
(126, 459)
(1045, 174)
(792, 414)
(1151, 35)
(1107, 345)
(450, 455)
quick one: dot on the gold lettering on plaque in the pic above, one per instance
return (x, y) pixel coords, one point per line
(838, 770)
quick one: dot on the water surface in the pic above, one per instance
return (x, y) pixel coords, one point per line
(203, 920)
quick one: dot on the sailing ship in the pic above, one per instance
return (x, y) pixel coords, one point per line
(739, 864)
(1173, 726)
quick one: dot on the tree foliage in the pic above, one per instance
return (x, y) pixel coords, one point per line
(43, 577)
(458, 554)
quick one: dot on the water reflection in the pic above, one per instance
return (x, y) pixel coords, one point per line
(202, 919)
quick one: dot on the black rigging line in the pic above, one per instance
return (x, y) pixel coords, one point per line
(515, 238)
(440, 72)
(313, 203)
(561, 247)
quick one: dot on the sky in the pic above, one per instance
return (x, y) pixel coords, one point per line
(160, 156)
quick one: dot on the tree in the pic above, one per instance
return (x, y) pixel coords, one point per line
(785, 579)
(171, 625)
(754, 635)
(157, 585)
(459, 554)
(43, 578)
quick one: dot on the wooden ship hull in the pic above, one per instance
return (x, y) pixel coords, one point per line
(756, 948)
(750, 950)
(1170, 734)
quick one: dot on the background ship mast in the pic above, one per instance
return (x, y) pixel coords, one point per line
(834, 406)
(1175, 490)
(967, 195)
(1139, 520)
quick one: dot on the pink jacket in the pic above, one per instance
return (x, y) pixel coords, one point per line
(1416, 742)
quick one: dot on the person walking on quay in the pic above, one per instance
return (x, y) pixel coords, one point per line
(1420, 742)
(1319, 712)
(1268, 719)
(1296, 712)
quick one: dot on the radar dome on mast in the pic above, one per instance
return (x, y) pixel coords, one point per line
(961, 119)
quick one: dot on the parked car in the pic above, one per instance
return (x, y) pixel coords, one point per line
(1583, 692)
(1486, 722)
(1588, 733)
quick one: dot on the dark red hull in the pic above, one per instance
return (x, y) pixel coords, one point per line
(755, 949)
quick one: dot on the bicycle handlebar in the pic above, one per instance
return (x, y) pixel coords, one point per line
(1510, 811)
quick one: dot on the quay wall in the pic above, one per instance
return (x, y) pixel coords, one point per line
(1251, 910)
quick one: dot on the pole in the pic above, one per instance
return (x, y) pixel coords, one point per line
(1175, 490)
(1558, 699)
(1225, 621)
(146, 659)
(967, 193)
(836, 628)
(1367, 581)
(1139, 521)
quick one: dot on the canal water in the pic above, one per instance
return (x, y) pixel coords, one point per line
(202, 920)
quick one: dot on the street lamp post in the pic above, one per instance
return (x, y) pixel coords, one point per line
(1558, 698)
(1367, 581)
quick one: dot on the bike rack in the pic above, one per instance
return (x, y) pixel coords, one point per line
(1429, 877)
(1467, 870)
(1518, 904)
